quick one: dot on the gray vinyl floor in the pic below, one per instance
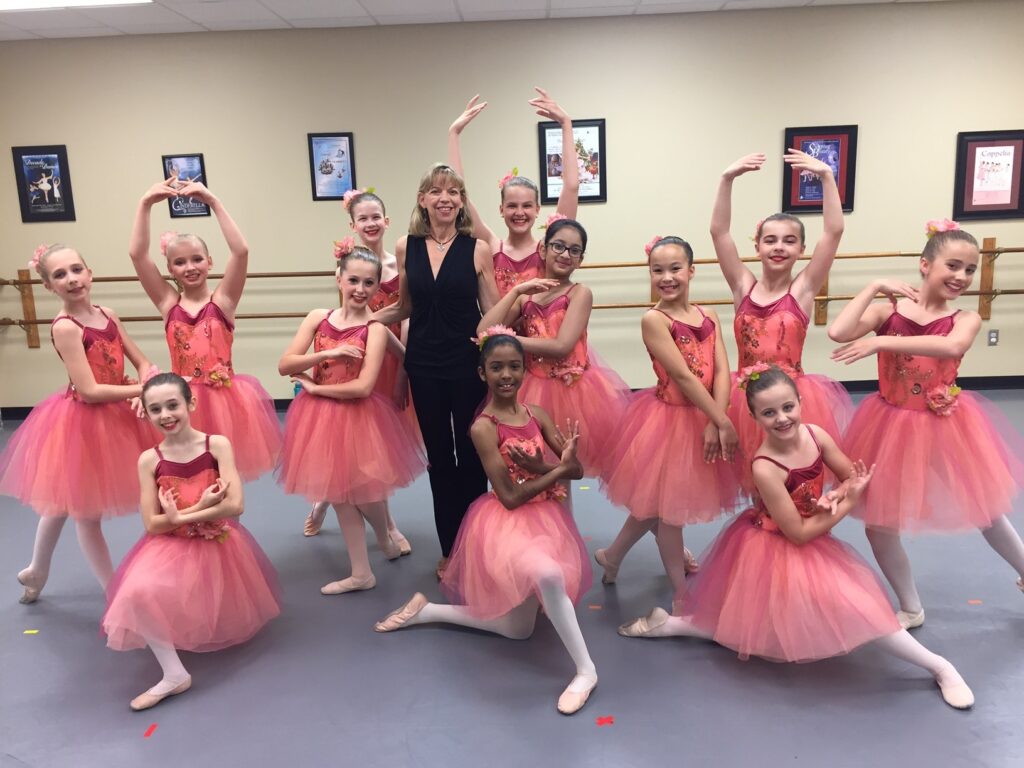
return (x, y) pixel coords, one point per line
(319, 688)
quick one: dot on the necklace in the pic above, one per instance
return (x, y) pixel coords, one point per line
(441, 244)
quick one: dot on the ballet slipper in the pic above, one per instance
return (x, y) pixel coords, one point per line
(643, 626)
(314, 522)
(442, 566)
(351, 584)
(1020, 584)
(404, 547)
(611, 572)
(957, 695)
(909, 620)
(571, 702)
(391, 548)
(690, 563)
(147, 699)
(398, 619)
(32, 587)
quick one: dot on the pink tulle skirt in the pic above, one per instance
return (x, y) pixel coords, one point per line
(657, 469)
(351, 451)
(385, 387)
(597, 400)
(78, 459)
(822, 401)
(500, 554)
(762, 595)
(244, 413)
(936, 473)
(194, 594)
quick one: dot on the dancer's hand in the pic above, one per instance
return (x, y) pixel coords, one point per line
(570, 438)
(473, 108)
(829, 502)
(729, 440)
(548, 107)
(161, 191)
(169, 504)
(536, 285)
(712, 443)
(745, 164)
(214, 494)
(196, 190)
(804, 163)
(135, 403)
(343, 350)
(893, 289)
(856, 350)
(530, 460)
(860, 476)
(307, 384)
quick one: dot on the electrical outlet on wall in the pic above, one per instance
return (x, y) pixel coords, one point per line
(993, 337)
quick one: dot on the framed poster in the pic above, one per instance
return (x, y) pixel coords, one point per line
(835, 145)
(332, 165)
(988, 181)
(44, 183)
(588, 154)
(186, 168)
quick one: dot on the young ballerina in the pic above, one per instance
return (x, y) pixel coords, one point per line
(518, 544)
(196, 580)
(343, 441)
(68, 458)
(772, 314)
(200, 328)
(517, 257)
(564, 376)
(943, 455)
(775, 583)
(369, 220)
(680, 423)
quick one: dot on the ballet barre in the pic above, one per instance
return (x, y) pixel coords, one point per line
(986, 293)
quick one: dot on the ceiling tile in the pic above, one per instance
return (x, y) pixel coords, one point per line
(489, 6)
(38, 20)
(316, 9)
(572, 13)
(13, 33)
(526, 13)
(132, 14)
(437, 17)
(693, 6)
(364, 21)
(227, 11)
(590, 4)
(749, 5)
(82, 32)
(405, 8)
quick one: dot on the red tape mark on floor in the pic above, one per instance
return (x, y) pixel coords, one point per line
(607, 720)
(974, 602)
(149, 731)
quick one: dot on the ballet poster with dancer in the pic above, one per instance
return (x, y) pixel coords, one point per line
(588, 154)
(834, 145)
(332, 165)
(988, 176)
(44, 183)
(185, 168)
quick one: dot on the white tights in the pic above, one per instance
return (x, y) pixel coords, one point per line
(895, 564)
(90, 539)
(170, 664)
(353, 529)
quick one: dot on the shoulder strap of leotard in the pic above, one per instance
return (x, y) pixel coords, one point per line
(207, 443)
(66, 317)
(490, 418)
(778, 464)
(159, 453)
(814, 438)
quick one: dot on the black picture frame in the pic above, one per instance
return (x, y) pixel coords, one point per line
(332, 164)
(989, 183)
(588, 134)
(43, 175)
(186, 167)
(835, 145)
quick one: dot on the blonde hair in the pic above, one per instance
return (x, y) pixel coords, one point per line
(170, 239)
(45, 254)
(419, 223)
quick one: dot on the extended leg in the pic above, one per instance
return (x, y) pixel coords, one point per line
(33, 578)
(895, 564)
(90, 539)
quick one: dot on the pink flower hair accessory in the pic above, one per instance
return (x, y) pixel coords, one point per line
(751, 373)
(552, 219)
(343, 248)
(165, 240)
(935, 226)
(494, 330)
(508, 177)
(650, 244)
(36, 255)
(150, 373)
(757, 230)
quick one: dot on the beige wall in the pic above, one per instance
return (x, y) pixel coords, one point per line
(683, 96)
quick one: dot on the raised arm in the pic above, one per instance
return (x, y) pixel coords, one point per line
(739, 278)
(506, 311)
(954, 345)
(861, 316)
(362, 386)
(67, 339)
(487, 289)
(160, 292)
(229, 290)
(807, 284)
(473, 108)
(577, 316)
(401, 309)
(568, 199)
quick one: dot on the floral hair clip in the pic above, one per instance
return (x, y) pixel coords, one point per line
(508, 177)
(150, 373)
(757, 230)
(343, 248)
(751, 373)
(494, 330)
(352, 194)
(38, 254)
(935, 226)
(650, 245)
(552, 219)
(165, 240)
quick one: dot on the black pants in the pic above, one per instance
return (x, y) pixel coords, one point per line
(445, 410)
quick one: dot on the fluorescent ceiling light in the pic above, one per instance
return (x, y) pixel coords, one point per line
(57, 5)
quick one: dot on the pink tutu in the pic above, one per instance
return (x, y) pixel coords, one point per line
(936, 473)
(822, 401)
(597, 399)
(78, 459)
(385, 387)
(245, 415)
(657, 469)
(352, 451)
(194, 594)
(500, 553)
(762, 595)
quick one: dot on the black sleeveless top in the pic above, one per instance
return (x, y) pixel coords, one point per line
(445, 312)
